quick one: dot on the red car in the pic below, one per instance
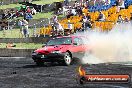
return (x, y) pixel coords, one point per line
(63, 50)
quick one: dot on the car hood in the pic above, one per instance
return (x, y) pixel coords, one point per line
(49, 49)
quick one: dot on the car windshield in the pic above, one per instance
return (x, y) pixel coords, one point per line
(60, 41)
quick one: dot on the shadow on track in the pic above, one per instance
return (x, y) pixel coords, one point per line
(38, 66)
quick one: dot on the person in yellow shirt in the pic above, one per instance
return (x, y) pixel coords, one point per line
(85, 10)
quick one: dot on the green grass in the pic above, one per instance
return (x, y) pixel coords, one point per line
(42, 15)
(10, 6)
(39, 16)
(42, 2)
(22, 45)
(14, 33)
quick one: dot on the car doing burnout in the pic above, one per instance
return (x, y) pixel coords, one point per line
(63, 50)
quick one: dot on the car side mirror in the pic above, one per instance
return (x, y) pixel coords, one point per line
(75, 43)
(43, 45)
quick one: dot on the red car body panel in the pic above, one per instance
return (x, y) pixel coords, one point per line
(62, 48)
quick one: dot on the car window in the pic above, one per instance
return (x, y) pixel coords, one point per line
(59, 41)
(76, 40)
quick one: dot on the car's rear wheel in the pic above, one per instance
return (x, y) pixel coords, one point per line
(67, 59)
(39, 63)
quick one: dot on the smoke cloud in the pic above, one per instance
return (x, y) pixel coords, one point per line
(112, 46)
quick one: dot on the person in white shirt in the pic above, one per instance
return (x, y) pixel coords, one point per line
(25, 28)
(20, 24)
(33, 11)
(60, 29)
(101, 17)
(120, 19)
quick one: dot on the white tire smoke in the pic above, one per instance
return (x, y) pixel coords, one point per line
(112, 46)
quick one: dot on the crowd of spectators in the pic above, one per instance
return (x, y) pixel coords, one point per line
(76, 9)
(121, 20)
(80, 8)
(24, 11)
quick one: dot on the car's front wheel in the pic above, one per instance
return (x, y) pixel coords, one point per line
(67, 59)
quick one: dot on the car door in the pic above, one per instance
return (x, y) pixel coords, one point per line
(77, 48)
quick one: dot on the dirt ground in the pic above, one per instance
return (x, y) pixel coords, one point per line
(23, 73)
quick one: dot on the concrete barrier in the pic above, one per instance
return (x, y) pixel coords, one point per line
(4, 52)
(24, 40)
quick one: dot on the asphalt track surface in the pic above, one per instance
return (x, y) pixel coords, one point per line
(23, 73)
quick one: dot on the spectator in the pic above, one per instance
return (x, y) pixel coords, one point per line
(86, 3)
(117, 2)
(70, 26)
(84, 20)
(109, 14)
(33, 11)
(88, 16)
(55, 22)
(118, 9)
(65, 9)
(13, 14)
(74, 11)
(59, 12)
(79, 10)
(69, 14)
(20, 24)
(75, 4)
(23, 9)
(120, 19)
(126, 20)
(55, 19)
(60, 30)
(122, 6)
(81, 2)
(8, 14)
(27, 16)
(17, 13)
(4, 14)
(84, 10)
(21, 13)
(107, 2)
(101, 17)
(28, 10)
(66, 2)
(25, 28)
(88, 25)
(131, 19)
